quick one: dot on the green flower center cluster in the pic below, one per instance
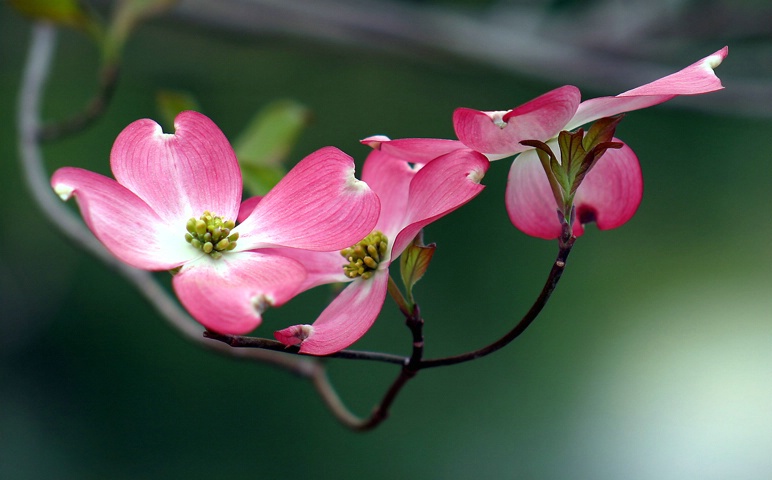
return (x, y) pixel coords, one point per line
(364, 257)
(211, 234)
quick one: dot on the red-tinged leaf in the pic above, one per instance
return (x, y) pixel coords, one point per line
(413, 264)
(601, 131)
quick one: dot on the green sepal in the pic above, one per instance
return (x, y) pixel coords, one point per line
(414, 262)
(70, 13)
(264, 145)
(170, 103)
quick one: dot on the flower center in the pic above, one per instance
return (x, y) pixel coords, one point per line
(211, 234)
(364, 257)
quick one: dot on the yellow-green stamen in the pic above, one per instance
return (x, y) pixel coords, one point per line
(211, 234)
(365, 256)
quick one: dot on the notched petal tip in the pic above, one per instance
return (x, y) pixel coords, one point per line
(476, 175)
(713, 61)
(355, 185)
(294, 335)
(64, 191)
(260, 303)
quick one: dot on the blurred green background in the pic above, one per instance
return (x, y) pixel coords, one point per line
(653, 359)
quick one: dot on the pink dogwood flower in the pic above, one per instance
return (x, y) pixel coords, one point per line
(173, 204)
(412, 196)
(612, 190)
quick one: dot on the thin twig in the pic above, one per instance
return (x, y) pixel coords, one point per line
(240, 341)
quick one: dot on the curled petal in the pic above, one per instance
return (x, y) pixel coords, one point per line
(611, 192)
(182, 174)
(695, 79)
(123, 222)
(439, 188)
(229, 295)
(529, 200)
(498, 134)
(344, 321)
(318, 205)
(609, 195)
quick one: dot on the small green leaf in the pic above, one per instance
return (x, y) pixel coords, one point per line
(560, 174)
(170, 103)
(414, 262)
(263, 147)
(571, 151)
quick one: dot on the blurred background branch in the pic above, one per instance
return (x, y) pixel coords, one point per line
(612, 45)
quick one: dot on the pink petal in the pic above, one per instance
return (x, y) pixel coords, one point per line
(695, 79)
(440, 187)
(229, 295)
(321, 267)
(612, 191)
(124, 223)
(344, 321)
(609, 195)
(500, 133)
(390, 180)
(179, 175)
(530, 204)
(318, 205)
(413, 150)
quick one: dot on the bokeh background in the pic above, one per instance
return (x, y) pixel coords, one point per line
(653, 360)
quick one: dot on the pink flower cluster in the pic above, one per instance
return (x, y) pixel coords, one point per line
(176, 204)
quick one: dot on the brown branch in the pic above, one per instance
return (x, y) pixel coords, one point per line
(239, 341)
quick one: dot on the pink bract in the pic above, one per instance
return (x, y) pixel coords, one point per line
(162, 180)
(608, 195)
(412, 196)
